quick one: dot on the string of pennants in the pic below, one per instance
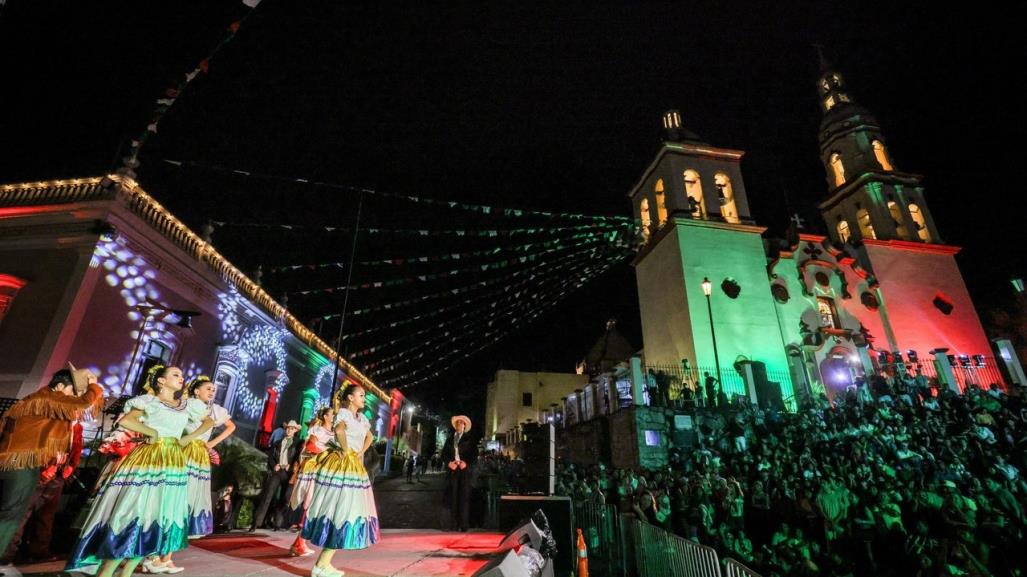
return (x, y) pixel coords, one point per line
(459, 232)
(500, 334)
(496, 315)
(470, 301)
(479, 208)
(530, 273)
(609, 234)
(485, 267)
(428, 351)
(489, 307)
(172, 94)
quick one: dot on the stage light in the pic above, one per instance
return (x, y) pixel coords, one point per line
(184, 319)
(978, 360)
(897, 357)
(912, 356)
(964, 360)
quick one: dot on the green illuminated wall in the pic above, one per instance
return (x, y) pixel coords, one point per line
(675, 322)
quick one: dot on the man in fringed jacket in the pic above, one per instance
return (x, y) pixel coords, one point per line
(36, 432)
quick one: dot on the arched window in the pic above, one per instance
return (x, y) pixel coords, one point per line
(9, 287)
(896, 215)
(882, 155)
(647, 219)
(921, 224)
(726, 196)
(839, 170)
(225, 377)
(661, 204)
(843, 231)
(693, 190)
(866, 228)
(828, 313)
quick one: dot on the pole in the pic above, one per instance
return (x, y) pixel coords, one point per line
(135, 350)
(713, 333)
(345, 300)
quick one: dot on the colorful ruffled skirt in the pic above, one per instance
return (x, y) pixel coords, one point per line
(141, 510)
(303, 489)
(197, 464)
(341, 513)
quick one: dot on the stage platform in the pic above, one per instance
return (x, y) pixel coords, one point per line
(401, 552)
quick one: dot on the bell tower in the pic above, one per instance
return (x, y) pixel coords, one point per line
(881, 213)
(698, 235)
(869, 198)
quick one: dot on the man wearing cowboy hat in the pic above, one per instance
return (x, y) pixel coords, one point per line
(36, 432)
(281, 458)
(460, 453)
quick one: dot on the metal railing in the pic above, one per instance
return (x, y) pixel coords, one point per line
(733, 568)
(600, 525)
(732, 381)
(981, 372)
(659, 553)
(619, 544)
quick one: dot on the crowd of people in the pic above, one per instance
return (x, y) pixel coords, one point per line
(889, 478)
(154, 493)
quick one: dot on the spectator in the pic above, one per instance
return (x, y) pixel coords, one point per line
(889, 480)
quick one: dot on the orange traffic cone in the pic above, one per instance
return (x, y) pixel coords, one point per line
(582, 556)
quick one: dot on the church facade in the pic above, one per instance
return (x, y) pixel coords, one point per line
(881, 291)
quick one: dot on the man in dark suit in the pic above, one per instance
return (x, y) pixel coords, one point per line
(274, 495)
(460, 453)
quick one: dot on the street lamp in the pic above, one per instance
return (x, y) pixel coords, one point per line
(707, 289)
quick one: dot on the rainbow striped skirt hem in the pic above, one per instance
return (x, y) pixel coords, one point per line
(140, 510)
(341, 513)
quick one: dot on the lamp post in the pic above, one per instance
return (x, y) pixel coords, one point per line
(707, 289)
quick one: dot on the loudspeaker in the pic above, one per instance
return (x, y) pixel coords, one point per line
(759, 372)
(503, 566)
(515, 509)
(527, 534)
(510, 565)
(538, 451)
(768, 394)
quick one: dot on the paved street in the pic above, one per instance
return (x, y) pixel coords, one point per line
(417, 505)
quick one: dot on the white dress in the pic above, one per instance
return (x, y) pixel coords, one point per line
(341, 512)
(197, 462)
(141, 509)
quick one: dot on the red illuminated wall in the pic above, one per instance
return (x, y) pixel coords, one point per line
(911, 275)
(396, 412)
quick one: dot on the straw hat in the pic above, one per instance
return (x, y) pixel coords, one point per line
(292, 425)
(466, 420)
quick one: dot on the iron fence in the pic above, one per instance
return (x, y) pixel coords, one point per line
(694, 378)
(733, 568)
(659, 553)
(978, 370)
(619, 544)
(600, 525)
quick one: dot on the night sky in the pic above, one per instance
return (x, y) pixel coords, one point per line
(511, 105)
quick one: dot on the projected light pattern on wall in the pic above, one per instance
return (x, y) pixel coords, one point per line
(130, 274)
(262, 347)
